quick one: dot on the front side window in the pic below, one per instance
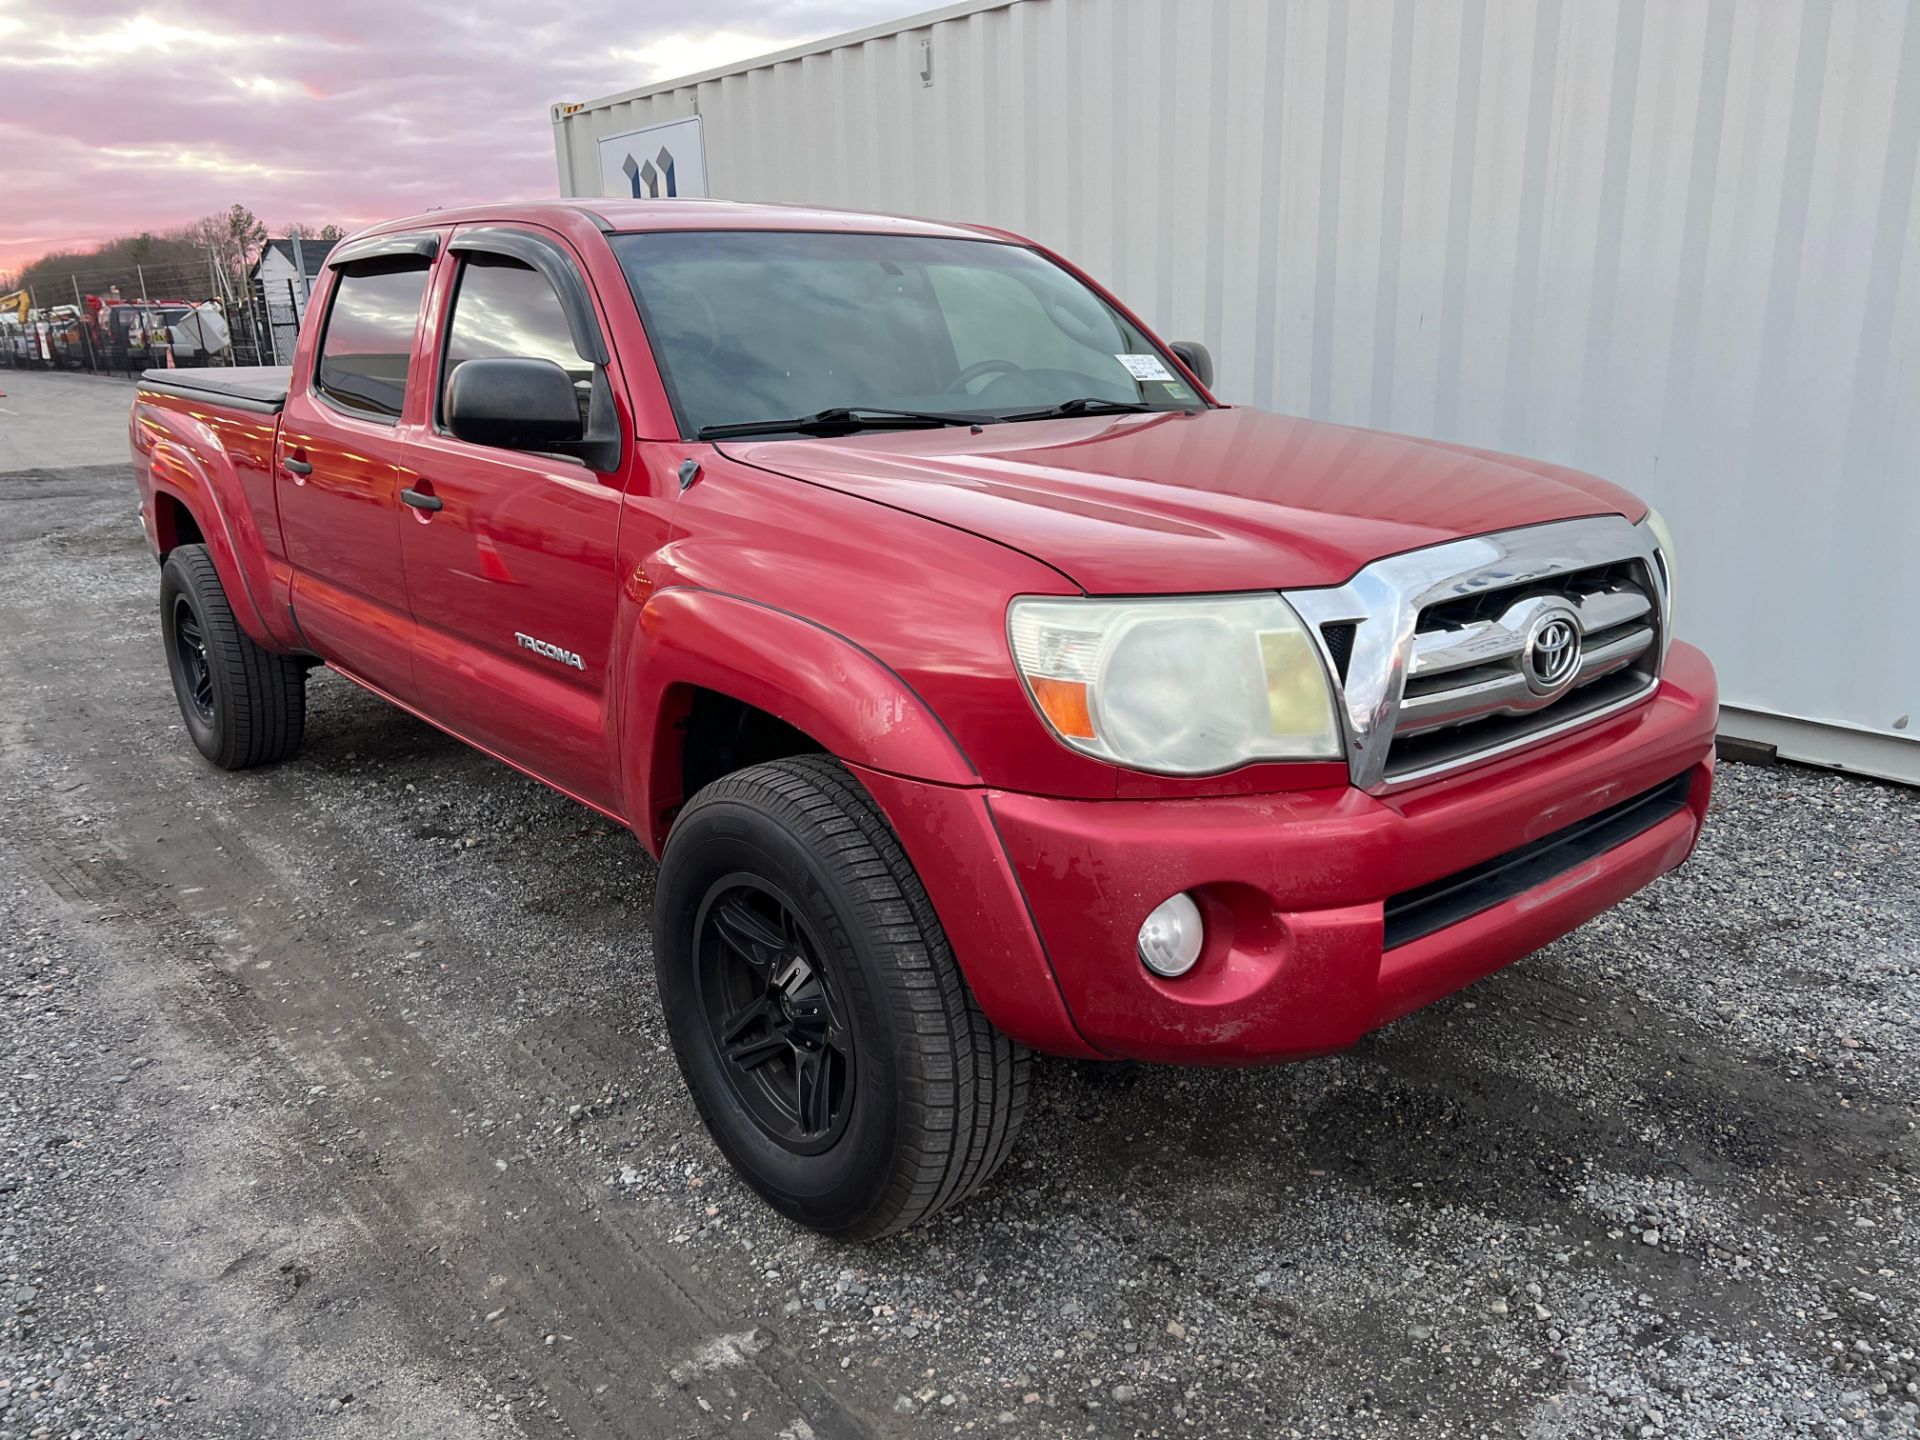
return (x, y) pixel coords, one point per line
(755, 326)
(503, 308)
(368, 342)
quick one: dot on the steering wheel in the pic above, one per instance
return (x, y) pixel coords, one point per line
(979, 368)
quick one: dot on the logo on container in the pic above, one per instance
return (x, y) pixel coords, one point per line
(651, 179)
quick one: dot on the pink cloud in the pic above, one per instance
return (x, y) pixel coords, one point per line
(118, 116)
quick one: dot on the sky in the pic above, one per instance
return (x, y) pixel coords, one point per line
(121, 117)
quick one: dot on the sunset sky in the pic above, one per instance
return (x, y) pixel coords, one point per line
(122, 117)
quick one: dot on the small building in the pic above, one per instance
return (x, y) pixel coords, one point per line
(275, 270)
(284, 289)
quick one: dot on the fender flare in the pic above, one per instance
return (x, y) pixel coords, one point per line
(815, 679)
(178, 470)
(869, 717)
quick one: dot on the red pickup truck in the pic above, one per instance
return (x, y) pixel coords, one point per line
(981, 683)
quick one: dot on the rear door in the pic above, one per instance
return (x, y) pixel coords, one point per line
(511, 574)
(339, 461)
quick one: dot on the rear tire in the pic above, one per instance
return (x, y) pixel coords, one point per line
(243, 704)
(822, 1024)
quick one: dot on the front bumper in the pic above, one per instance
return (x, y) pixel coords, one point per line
(1294, 888)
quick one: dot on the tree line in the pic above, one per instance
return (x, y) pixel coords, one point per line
(230, 240)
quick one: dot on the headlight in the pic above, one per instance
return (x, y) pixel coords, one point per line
(1656, 524)
(1180, 687)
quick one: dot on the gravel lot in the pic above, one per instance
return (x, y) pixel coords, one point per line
(335, 1102)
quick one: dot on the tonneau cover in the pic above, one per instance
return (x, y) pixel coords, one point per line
(244, 387)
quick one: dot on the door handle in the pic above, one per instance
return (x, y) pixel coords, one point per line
(295, 467)
(420, 500)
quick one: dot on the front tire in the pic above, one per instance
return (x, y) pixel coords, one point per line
(822, 1024)
(243, 705)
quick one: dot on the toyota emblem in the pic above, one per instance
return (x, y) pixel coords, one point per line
(1553, 651)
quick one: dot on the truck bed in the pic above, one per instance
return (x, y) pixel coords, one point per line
(260, 388)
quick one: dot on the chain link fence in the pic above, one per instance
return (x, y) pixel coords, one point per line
(120, 322)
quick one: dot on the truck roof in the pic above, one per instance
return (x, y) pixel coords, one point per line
(615, 216)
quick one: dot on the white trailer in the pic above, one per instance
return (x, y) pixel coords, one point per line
(1675, 245)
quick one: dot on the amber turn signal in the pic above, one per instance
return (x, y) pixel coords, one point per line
(1064, 703)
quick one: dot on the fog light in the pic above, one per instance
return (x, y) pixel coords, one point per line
(1170, 937)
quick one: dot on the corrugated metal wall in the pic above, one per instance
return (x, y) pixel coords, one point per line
(1671, 243)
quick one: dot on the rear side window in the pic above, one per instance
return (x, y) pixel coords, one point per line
(503, 308)
(368, 343)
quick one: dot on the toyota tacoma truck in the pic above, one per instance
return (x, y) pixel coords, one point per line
(982, 685)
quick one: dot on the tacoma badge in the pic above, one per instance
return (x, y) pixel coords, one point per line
(551, 651)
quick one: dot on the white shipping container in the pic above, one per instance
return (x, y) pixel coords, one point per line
(1675, 245)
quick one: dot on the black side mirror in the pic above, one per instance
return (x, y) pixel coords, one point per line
(1194, 356)
(514, 404)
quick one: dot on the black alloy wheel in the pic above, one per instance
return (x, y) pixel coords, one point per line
(824, 1028)
(771, 1009)
(191, 643)
(242, 704)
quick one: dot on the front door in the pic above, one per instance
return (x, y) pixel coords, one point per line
(511, 576)
(339, 477)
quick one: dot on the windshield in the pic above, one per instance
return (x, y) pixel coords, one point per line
(753, 326)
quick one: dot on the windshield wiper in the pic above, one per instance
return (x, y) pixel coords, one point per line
(1083, 405)
(842, 420)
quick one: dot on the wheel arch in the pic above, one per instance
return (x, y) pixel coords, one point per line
(790, 685)
(174, 524)
(188, 468)
(188, 514)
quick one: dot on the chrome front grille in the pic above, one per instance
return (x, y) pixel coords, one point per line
(1451, 655)
(1459, 673)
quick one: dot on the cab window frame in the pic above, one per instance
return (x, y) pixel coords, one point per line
(398, 262)
(463, 258)
(604, 447)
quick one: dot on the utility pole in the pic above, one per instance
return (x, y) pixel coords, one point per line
(141, 272)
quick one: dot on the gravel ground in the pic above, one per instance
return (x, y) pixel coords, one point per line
(335, 1102)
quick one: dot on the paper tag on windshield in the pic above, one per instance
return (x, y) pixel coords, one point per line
(1145, 367)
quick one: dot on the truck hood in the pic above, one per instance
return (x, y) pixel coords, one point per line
(1226, 499)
